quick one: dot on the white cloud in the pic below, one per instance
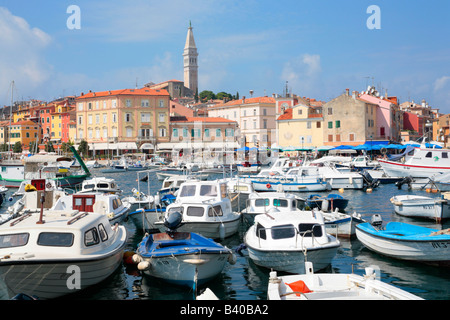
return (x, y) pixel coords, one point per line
(441, 83)
(303, 74)
(21, 56)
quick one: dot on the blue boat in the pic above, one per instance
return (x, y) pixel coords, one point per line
(406, 241)
(182, 258)
(327, 203)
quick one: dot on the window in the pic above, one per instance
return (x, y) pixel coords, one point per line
(308, 125)
(105, 118)
(330, 124)
(429, 154)
(195, 211)
(127, 117)
(145, 117)
(338, 123)
(318, 125)
(14, 240)
(330, 138)
(102, 231)
(216, 211)
(185, 132)
(330, 111)
(261, 202)
(187, 191)
(206, 133)
(264, 112)
(218, 132)
(310, 229)
(175, 132)
(264, 123)
(145, 103)
(444, 155)
(229, 132)
(80, 106)
(97, 118)
(129, 132)
(91, 237)
(299, 111)
(280, 203)
(128, 103)
(55, 239)
(162, 132)
(162, 117)
(208, 190)
(114, 103)
(351, 137)
(260, 231)
(283, 232)
(338, 138)
(90, 106)
(90, 119)
(96, 105)
(161, 103)
(104, 104)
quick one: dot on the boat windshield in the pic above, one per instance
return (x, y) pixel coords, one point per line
(208, 190)
(14, 240)
(187, 191)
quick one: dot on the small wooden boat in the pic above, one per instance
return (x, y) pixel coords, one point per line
(406, 241)
(333, 286)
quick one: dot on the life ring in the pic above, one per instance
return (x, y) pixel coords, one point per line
(268, 186)
(48, 185)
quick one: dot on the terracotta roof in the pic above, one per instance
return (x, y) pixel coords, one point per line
(24, 123)
(246, 101)
(287, 115)
(141, 91)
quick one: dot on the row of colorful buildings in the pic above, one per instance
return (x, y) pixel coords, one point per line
(147, 119)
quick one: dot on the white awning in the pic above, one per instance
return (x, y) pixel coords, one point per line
(198, 145)
(147, 146)
(112, 146)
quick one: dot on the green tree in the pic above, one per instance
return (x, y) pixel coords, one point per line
(221, 95)
(206, 95)
(83, 148)
(17, 148)
(49, 147)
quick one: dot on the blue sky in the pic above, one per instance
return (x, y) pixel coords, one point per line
(320, 47)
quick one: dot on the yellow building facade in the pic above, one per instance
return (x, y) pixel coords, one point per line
(300, 127)
(123, 119)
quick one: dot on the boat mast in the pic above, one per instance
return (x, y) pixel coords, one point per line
(10, 115)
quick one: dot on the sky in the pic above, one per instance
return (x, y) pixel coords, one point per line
(319, 48)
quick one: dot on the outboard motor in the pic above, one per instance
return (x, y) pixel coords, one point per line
(369, 181)
(376, 221)
(173, 221)
(406, 180)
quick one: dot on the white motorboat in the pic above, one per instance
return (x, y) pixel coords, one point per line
(59, 252)
(418, 163)
(301, 179)
(107, 204)
(100, 184)
(415, 206)
(284, 241)
(238, 191)
(272, 203)
(339, 179)
(41, 184)
(341, 224)
(206, 209)
(333, 286)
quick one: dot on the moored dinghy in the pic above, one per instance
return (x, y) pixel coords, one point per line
(333, 286)
(183, 258)
(416, 206)
(406, 241)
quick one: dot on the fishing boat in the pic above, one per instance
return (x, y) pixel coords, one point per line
(327, 203)
(418, 163)
(272, 203)
(284, 241)
(415, 206)
(182, 258)
(206, 209)
(58, 252)
(333, 286)
(305, 179)
(145, 218)
(406, 241)
(107, 204)
(44, 167)
(238, 191)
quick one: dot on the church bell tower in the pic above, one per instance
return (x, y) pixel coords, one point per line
(190, 62)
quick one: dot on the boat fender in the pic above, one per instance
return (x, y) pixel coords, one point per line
(143, 265)
(136, 258)
(268, 186)
(241, 247)
(232, 259)
(325, 205)
(222, 231)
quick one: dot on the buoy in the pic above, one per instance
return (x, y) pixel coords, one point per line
(232, 259)
(434, 190)
(341, 190)
(268, 186)
(369, 190)
(143, 265)
(428, 190)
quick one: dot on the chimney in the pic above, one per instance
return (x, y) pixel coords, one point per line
(243, 99)
(354, 94)
(347, 91)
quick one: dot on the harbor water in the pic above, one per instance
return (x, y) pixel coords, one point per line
(246, 281)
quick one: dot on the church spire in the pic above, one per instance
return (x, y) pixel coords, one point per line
(190, 61)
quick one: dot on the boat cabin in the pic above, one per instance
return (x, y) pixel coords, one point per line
(90, 202)
(100, 184)
(274, 202)
(202, 190)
